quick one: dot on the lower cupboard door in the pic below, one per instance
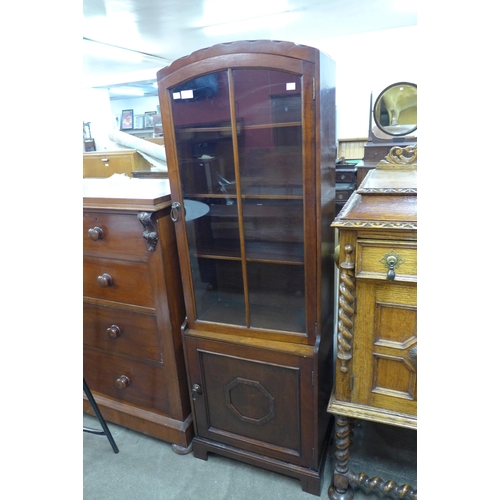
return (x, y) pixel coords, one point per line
(253, 399)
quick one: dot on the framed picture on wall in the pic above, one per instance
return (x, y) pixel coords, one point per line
(148, 119)
(138, 121)
(127, 121)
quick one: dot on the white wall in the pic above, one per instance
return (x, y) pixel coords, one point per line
(366, 63)
(96, 109)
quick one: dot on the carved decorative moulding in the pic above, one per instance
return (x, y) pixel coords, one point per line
(150, 234)
(347, 298)
(357, 224)
(240, 390)
(400, 158)
(409, 191)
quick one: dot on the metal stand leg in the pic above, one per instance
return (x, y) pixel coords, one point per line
(105, 430)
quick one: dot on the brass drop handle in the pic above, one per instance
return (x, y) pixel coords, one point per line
(196, 391)
(391, 262)
(104, 280)
(96, 233)
(122, 382)
(114, 332)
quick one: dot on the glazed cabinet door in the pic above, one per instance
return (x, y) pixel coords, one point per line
(242, 157)
(253, 399)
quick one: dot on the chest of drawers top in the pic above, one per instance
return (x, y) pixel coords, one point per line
(126, 194)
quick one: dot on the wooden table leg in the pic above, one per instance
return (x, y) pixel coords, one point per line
(343, 478)
(339, 488)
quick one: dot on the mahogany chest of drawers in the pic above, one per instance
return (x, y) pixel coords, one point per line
(133, 309)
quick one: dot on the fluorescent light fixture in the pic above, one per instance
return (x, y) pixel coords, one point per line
(101, 50)
(105, 51)
(130, 91)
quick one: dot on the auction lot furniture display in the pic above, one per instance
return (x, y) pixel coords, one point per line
(133, 309)
(249, 135)
(376, 355)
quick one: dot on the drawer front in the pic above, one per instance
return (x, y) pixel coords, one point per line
(372, 259)
(342, 195)
(107, 165)
(342, 176)
(113, 233)
(124, 281)
(125, 379)
(121, 331)
(376, 153)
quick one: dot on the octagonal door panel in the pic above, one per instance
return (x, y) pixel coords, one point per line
(252, 399)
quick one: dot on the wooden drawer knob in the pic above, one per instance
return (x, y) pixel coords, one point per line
(105, 280)
(113, 332)
(122, 382)
(96, 233)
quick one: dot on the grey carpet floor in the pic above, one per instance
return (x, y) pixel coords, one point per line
(147, 469)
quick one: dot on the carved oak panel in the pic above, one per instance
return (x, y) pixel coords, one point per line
(386, 347)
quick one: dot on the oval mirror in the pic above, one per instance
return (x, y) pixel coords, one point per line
(395, 110)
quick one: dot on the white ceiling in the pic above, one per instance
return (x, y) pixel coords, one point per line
(157, 32)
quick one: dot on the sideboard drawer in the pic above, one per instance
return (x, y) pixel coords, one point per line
(343, 176)
(121, 331)
(113, 233)
(371, 257)
(107, 163)
(342, 195)
(126, 379)
(117, 280)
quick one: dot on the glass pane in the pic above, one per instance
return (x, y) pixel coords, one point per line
(218, 289)
(277, 296)
(213, 237)
(269, 110)
(203, 134)
(274, 229)
(212, 227)
(255, 89)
